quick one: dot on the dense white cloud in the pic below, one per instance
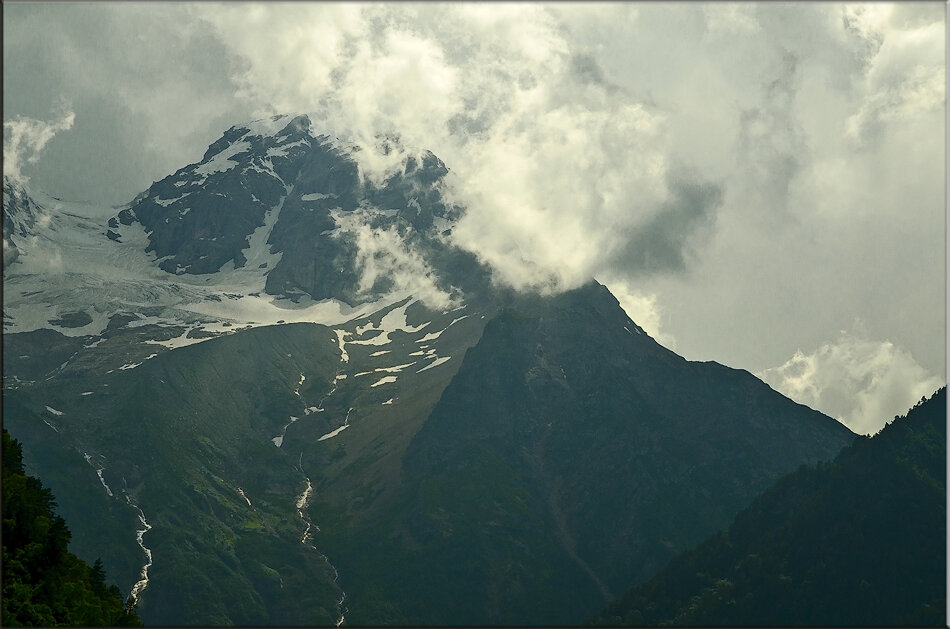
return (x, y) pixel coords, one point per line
(559, 169)
(906, 80)
(862, 383)
(24, 138)
(384, 258)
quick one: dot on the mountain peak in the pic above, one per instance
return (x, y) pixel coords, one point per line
(292, 208)
(273, 131)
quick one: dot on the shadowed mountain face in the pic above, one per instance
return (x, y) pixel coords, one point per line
(242, 448)
(572, 455)
(857, 541)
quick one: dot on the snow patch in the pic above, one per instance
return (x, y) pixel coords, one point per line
(282, 151)
(435, 363)
(392, 321)
(167, 202)
(334, 433)
(222, 161)
(279, 439)
(384, 380)
(431, 336)
(344, 357)
(434, 335)
(267, 126)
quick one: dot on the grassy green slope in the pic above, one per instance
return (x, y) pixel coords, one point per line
(183, 432)
(180, 434)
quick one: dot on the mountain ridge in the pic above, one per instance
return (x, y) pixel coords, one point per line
(854, 537)
(336, 415)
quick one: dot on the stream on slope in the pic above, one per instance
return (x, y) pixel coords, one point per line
(303, 500)
(142, 583)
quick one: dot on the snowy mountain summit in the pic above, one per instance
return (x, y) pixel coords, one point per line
(274, 196)
(273, 214)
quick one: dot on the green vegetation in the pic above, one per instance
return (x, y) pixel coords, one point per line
(43, 583)
(858, 541)
(180, 435)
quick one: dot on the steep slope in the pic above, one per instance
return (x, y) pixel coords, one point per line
(94, 309)
(212, 452)
(275, 223)
(860, 541)
(570, 457)
(44, 583)
(19, 217)
(170, 442)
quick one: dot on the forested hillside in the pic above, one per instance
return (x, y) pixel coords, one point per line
(858, 541)
(43, 583)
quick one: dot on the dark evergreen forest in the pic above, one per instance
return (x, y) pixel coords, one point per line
(43, 583)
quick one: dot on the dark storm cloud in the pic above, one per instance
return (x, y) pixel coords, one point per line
(667, 241)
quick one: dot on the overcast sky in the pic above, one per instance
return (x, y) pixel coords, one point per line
(759, 184)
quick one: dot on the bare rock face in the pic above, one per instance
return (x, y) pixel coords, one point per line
(278, 176)
(19, 216)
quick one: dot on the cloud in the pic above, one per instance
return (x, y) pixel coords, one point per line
(24, 139)
(149, 83)
(643, 308)
(771, 144)
(387, 263)
(906, 79)
(559, 168)
(662, 243)
(861, 382)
